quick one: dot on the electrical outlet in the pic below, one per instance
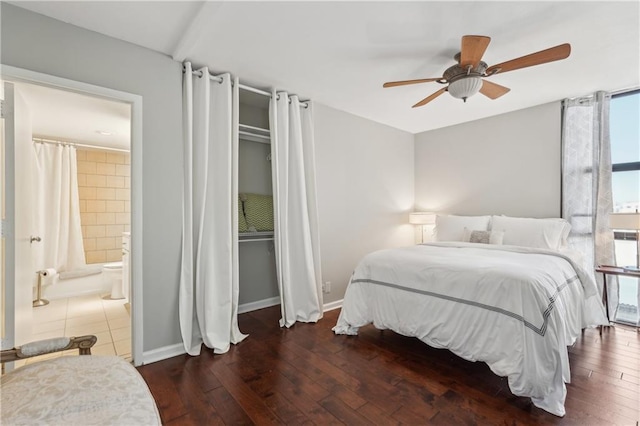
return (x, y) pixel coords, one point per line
(326, 287)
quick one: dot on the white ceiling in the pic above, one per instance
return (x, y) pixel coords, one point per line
(340, 53)
(69, 116)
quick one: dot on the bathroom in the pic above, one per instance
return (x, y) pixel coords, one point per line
(80, 193)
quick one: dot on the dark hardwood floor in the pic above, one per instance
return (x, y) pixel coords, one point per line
(307, 375)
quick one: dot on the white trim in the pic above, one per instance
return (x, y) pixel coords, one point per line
(19, 74)
(260, 304)
(163, 353)
(136, 288)
(332, 305)
(170, 351)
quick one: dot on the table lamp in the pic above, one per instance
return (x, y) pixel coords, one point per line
(422, 218)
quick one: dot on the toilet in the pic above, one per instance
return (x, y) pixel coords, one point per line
(112, 275)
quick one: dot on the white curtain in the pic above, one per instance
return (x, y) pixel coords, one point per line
(295, 210)
(57, 208)
(586, 184)
(208, 302)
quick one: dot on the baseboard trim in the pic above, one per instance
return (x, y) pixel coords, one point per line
(332, 305)
(162, 353)
(260, 304)
(165, 352)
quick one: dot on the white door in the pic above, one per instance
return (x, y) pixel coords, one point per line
(18, 272)
(3, 323)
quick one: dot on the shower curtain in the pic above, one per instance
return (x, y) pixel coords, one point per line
(57, 219)
(295, 210)
(209, 278)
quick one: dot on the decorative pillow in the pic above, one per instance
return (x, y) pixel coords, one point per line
(451, 228)
(242, 221)
(258, 210)
(527, 232)
(483, 237)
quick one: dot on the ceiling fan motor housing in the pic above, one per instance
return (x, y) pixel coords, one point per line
(464, 81)
(456, 71)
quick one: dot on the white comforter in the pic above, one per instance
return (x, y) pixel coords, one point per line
(517, 309)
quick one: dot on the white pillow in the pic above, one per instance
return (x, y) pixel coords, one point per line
(565, 233)
(451, 228)
(536, 233)
(483, 237)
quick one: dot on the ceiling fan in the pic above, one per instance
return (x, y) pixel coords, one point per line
(465, 79)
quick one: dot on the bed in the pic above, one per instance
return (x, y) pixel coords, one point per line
(515, 308)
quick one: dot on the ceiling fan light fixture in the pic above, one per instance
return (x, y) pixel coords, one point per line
(465, 87)
(465, 78)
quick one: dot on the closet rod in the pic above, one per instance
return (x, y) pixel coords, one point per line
(262, 92)
(258, 129)
(255, 239)
(244, 86)
(254, 90)
(254, 135)
(78, 145)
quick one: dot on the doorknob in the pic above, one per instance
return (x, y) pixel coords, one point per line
(38, 239)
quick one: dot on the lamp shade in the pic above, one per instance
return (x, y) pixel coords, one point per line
(422, 218)
(465, 87)
(624, 221)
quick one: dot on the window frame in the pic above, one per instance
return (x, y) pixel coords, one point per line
(625, 167)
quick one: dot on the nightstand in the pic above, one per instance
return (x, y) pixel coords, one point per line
(612, 270)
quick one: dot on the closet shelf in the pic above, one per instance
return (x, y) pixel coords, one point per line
(254, 134)
(244, 237)
(254, 129)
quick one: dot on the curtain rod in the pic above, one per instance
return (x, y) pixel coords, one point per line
(303, 104)
(78, 145)
(624, 92)
(618, 93)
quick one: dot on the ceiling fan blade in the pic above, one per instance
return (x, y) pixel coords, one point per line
(405, 82)
(471, 50)
(430, 98)
(548, 55)
(492, 90)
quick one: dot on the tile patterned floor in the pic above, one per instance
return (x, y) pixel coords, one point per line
(107, 319)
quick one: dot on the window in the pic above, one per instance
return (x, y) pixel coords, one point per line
(625, 156)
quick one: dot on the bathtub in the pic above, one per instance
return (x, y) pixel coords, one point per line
(75, 283)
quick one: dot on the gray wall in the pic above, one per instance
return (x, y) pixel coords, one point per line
(41, 44)
(254, 115)
(507, 164)
(258, 280)
(254, 170)
(365, 191)
(365, 172)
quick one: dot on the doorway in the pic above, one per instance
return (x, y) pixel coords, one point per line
(98, 296)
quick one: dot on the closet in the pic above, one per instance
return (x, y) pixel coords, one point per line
(258, 281)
